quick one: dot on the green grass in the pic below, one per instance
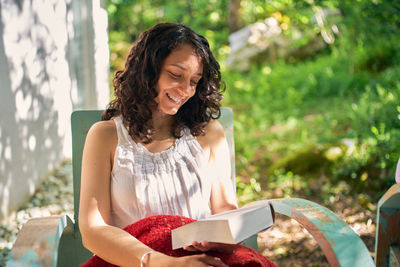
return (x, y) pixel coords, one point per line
(299, 124)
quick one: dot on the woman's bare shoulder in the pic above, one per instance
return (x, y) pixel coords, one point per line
(214, 135)
(104, 132)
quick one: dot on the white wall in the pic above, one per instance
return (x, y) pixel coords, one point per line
(53, 59)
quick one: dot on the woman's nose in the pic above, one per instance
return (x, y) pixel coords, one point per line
(186, 87)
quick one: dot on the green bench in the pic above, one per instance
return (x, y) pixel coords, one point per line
(56, 240)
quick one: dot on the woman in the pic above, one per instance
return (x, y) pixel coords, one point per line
(158, 149)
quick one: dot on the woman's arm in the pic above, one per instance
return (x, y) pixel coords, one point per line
(223, 196)
(98, 235)
(110, 243)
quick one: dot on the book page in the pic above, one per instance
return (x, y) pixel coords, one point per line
(211, 231)
(228, 214)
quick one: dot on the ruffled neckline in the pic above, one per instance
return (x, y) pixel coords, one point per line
(176, 147)
(140, 147)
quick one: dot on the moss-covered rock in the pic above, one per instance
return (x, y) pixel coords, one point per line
(310, 159)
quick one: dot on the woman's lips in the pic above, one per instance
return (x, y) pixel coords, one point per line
(175, 99)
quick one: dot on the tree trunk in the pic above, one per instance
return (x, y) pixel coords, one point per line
(234, 21)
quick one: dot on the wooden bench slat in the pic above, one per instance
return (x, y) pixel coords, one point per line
(38, 241)
(340, 244)
(388, 225)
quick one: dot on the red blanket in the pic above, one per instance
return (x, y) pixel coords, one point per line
(155, 232)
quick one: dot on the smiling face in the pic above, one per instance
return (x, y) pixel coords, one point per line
(180, 73)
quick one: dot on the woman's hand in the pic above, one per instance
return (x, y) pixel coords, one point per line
(207, 246)
(199, 260)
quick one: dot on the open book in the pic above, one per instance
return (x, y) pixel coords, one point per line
(230, 227)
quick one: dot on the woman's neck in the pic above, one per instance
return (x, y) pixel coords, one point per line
(162, 125)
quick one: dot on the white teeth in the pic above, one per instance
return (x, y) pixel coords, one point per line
(177, 100)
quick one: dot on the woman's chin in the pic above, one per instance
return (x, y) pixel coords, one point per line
(168, 112)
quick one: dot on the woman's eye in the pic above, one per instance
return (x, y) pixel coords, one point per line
(193, 83)
(173, 75)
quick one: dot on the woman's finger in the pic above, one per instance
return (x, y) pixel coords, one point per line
(207, 246)
(199, 246)
(190, 248)
(213, 261)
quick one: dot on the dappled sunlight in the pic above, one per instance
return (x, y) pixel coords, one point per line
(53, 59)
(286, 241)
(36, 100)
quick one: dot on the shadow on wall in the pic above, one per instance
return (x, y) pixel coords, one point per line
(34, 80)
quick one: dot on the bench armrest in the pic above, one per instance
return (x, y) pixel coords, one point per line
(38, 241)
(388, 227)
(340, 244)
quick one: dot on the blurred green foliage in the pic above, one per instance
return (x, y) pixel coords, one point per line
(321, 126)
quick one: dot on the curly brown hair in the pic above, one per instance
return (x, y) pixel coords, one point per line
(135, 85)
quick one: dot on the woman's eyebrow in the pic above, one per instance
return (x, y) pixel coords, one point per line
(183, 68)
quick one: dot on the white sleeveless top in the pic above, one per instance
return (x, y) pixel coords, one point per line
(169, 182)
